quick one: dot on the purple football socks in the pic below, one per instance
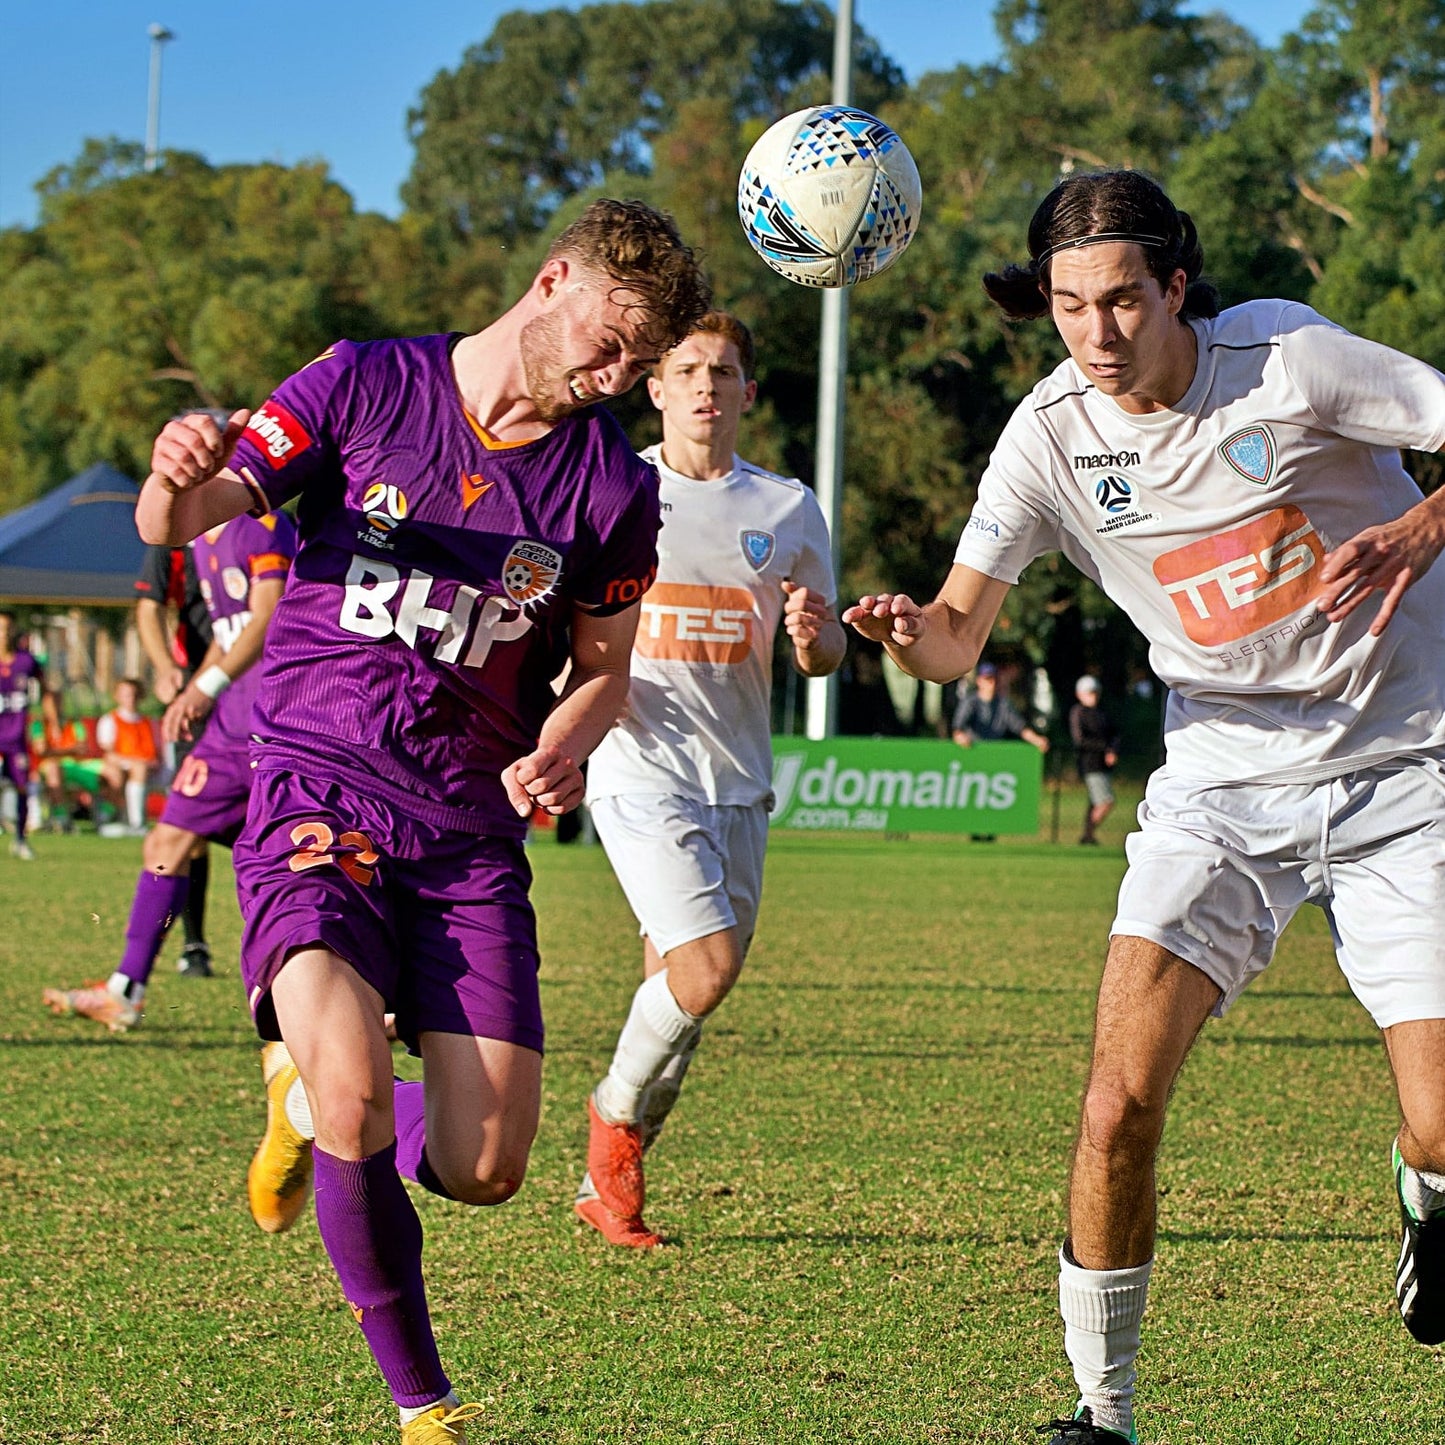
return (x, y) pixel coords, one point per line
(159, 898)
(374, 1238)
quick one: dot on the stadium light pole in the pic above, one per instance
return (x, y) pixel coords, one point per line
(159, 35)
(822, 696)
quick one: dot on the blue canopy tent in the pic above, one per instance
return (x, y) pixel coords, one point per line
(77, 546)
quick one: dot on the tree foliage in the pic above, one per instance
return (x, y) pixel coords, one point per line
(1315, 170)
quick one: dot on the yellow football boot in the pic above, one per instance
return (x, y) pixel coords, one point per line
(441, 1425)
(279, 1179)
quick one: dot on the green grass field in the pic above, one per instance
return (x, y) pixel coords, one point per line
(863, 1183)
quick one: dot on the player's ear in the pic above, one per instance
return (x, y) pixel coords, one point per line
(654, 390)
(750, 395)
(551, 278)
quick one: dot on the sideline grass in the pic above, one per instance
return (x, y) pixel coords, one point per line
(864, 1180)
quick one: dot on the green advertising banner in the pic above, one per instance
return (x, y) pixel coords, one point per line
(906, 785)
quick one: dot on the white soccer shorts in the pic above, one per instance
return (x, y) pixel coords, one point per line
(1218, 871)
(688, 868)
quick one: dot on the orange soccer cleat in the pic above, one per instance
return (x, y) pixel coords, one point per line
(278, 1182)
(630, 1233)
(94, 1001)
(614, 1160)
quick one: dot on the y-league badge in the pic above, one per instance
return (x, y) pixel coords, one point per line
(1251, 453)
(758, 548)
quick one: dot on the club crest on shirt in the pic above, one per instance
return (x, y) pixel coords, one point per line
(1251, 454)
(235, 583)
(530, 571)
(758, 548)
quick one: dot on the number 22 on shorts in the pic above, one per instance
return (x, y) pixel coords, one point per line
(317, 844)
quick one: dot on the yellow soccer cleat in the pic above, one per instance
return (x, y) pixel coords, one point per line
(279, 1179)
(94, 1001)
(441, 1425)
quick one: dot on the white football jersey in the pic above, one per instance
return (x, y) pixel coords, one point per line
(699, 718)
(1208, 523)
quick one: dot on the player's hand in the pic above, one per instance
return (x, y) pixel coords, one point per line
(544, 779)
(169, 685)
(1380, 559)
(804, 614)
(888, 617)
(186, 714)
(191, 449)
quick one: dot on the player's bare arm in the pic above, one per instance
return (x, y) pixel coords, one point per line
(1386, 559)
(818, 639)
(550, 777)
(150, 626)
(193, 703)
(942, 640)
(190, 489)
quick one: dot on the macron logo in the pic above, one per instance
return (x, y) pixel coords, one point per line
(282, 438)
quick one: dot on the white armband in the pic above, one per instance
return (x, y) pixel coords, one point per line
(213, 682)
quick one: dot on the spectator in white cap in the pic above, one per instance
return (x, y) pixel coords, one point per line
(1096, 746)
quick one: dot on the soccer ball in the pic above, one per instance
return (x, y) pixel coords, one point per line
(829, 196)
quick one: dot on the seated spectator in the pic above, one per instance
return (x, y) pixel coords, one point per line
(128, 748)
(54, 742)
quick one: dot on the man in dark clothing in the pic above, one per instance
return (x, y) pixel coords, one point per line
(1096, 746)
(986, 715)
(168, 579)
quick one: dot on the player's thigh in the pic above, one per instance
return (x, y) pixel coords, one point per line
(670, 863)
(469, 941)
(1215, 874)
(483, 1099)
(1386, 888)
(332, 1022)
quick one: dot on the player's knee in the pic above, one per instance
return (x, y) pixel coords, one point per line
(1118, 1119)
(488, 1184)
(348, 1123)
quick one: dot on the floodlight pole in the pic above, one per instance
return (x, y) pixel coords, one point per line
(159, 35)
(822, 698)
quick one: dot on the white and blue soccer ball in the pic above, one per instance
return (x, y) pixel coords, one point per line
(829, 196)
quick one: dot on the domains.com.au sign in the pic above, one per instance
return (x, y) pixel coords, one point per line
(906, 785)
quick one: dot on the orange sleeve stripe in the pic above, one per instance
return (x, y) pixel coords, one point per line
(269, 562)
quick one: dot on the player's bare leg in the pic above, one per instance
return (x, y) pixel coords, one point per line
(1417, 1057)
(630, 1105)
(1151, 1007)
(160, 895)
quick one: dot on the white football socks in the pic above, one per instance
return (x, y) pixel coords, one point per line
(125, 987)
(409, 1413)
(135, 804)
(297, 1108)
(657, 1029)
(1423, 1192)
(1102, 1310)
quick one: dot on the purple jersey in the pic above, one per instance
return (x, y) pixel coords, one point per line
(229, 558)
(15, 685)
(429, 606)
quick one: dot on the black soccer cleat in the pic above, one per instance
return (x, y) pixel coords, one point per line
(1081, 1430)
(195, 961)
(1420, 1274)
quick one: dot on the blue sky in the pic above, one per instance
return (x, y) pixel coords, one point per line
(333, 80)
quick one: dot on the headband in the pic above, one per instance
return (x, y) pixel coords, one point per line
(1098, 239)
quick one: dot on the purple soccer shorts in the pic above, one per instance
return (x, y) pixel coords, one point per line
(211, 789)
(438, 922)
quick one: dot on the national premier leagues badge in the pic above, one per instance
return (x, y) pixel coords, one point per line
(1251, 453)
(757, 548)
